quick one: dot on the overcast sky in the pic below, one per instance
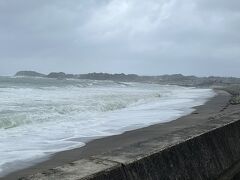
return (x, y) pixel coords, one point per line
(199, 37)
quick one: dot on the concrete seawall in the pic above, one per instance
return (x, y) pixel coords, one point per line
(208, 156)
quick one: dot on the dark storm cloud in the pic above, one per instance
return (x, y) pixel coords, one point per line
(147, 37)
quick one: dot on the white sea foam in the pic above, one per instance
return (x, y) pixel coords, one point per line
(41, 118)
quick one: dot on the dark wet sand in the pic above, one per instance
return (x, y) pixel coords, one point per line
(213, 107)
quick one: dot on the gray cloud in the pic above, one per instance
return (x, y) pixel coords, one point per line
(198, 37)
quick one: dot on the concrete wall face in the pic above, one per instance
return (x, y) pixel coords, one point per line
(207, 156)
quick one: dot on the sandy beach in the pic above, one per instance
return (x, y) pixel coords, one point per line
(215, 106)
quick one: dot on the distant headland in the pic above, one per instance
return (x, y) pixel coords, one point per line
(175, 79)
(29, 74)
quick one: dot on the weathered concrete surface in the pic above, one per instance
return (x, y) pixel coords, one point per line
(207, 151)
(71, 171)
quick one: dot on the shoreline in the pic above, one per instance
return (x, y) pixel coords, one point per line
(201, 114)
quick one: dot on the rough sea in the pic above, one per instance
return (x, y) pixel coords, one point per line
(40, 116)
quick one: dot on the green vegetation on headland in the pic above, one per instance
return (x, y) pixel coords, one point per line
(229, 84)
(30, 74)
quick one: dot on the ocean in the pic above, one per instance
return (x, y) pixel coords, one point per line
(40, 116)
